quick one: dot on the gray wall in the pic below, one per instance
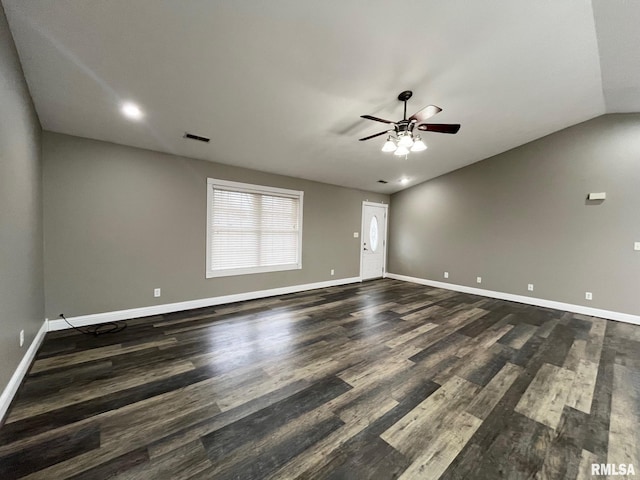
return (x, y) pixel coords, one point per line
(21, 279)
(522, 217)
(120, 221)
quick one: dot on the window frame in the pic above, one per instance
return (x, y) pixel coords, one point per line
(256, 189)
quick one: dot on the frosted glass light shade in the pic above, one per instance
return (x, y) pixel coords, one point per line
(418, 146)
(405, 141)
(401, 150)
(389, 146)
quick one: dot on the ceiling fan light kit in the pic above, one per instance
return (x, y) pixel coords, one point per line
(405, 140)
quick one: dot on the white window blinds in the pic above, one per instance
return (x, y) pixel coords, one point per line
(252, 229)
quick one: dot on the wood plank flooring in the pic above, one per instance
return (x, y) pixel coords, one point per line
(379, 380)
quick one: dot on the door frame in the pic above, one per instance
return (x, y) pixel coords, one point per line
(384, 240)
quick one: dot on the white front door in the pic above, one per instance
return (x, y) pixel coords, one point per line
(374, 234)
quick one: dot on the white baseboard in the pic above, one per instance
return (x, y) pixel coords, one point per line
(538, 302)
(16, 379)
(93, 319)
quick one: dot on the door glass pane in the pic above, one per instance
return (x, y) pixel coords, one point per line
(373, 233)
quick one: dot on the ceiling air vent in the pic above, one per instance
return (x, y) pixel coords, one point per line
(382, 181)
(197, 137)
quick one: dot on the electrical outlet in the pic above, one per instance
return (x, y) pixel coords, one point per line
(333, 271)
(21, 337)
(478, 279)
(446, 274)
(530, 287)
(588, 296)
(156, 292)
(356, 234)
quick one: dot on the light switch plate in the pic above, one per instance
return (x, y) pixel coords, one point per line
(356, 234)
(636, 246)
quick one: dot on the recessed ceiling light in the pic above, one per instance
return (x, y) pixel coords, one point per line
(132, 111)
(404, 180)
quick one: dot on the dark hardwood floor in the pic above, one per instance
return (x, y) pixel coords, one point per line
(378, 380)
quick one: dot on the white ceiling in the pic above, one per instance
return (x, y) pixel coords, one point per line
(279, 85)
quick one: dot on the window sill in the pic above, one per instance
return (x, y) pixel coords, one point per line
(248, 271)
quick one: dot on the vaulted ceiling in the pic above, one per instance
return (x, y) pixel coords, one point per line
(279, 86)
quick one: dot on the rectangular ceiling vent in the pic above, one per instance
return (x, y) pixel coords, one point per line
(382, 181)
(196, 137)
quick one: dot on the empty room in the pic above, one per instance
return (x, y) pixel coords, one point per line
(319, 240)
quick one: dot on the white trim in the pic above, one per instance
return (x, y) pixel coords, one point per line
(213, 183)
(385, 240)
(538, 302)
(23, 367)
(93, 319)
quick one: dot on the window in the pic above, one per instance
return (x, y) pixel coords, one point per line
(252, 229)
(373, 233)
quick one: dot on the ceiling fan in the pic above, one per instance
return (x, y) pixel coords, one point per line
(405, 140)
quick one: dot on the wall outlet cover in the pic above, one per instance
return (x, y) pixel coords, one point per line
(446, 274)
(479, 279)
(588, 296)
(21, 337)
(530, 287)
(156, 292)
(356, 234)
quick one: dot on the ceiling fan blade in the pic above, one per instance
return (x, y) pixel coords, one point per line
(427, 112)
(376, 119)
(439, 127)
(375, 135)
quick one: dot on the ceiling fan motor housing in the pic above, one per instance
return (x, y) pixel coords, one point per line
(403, 126)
